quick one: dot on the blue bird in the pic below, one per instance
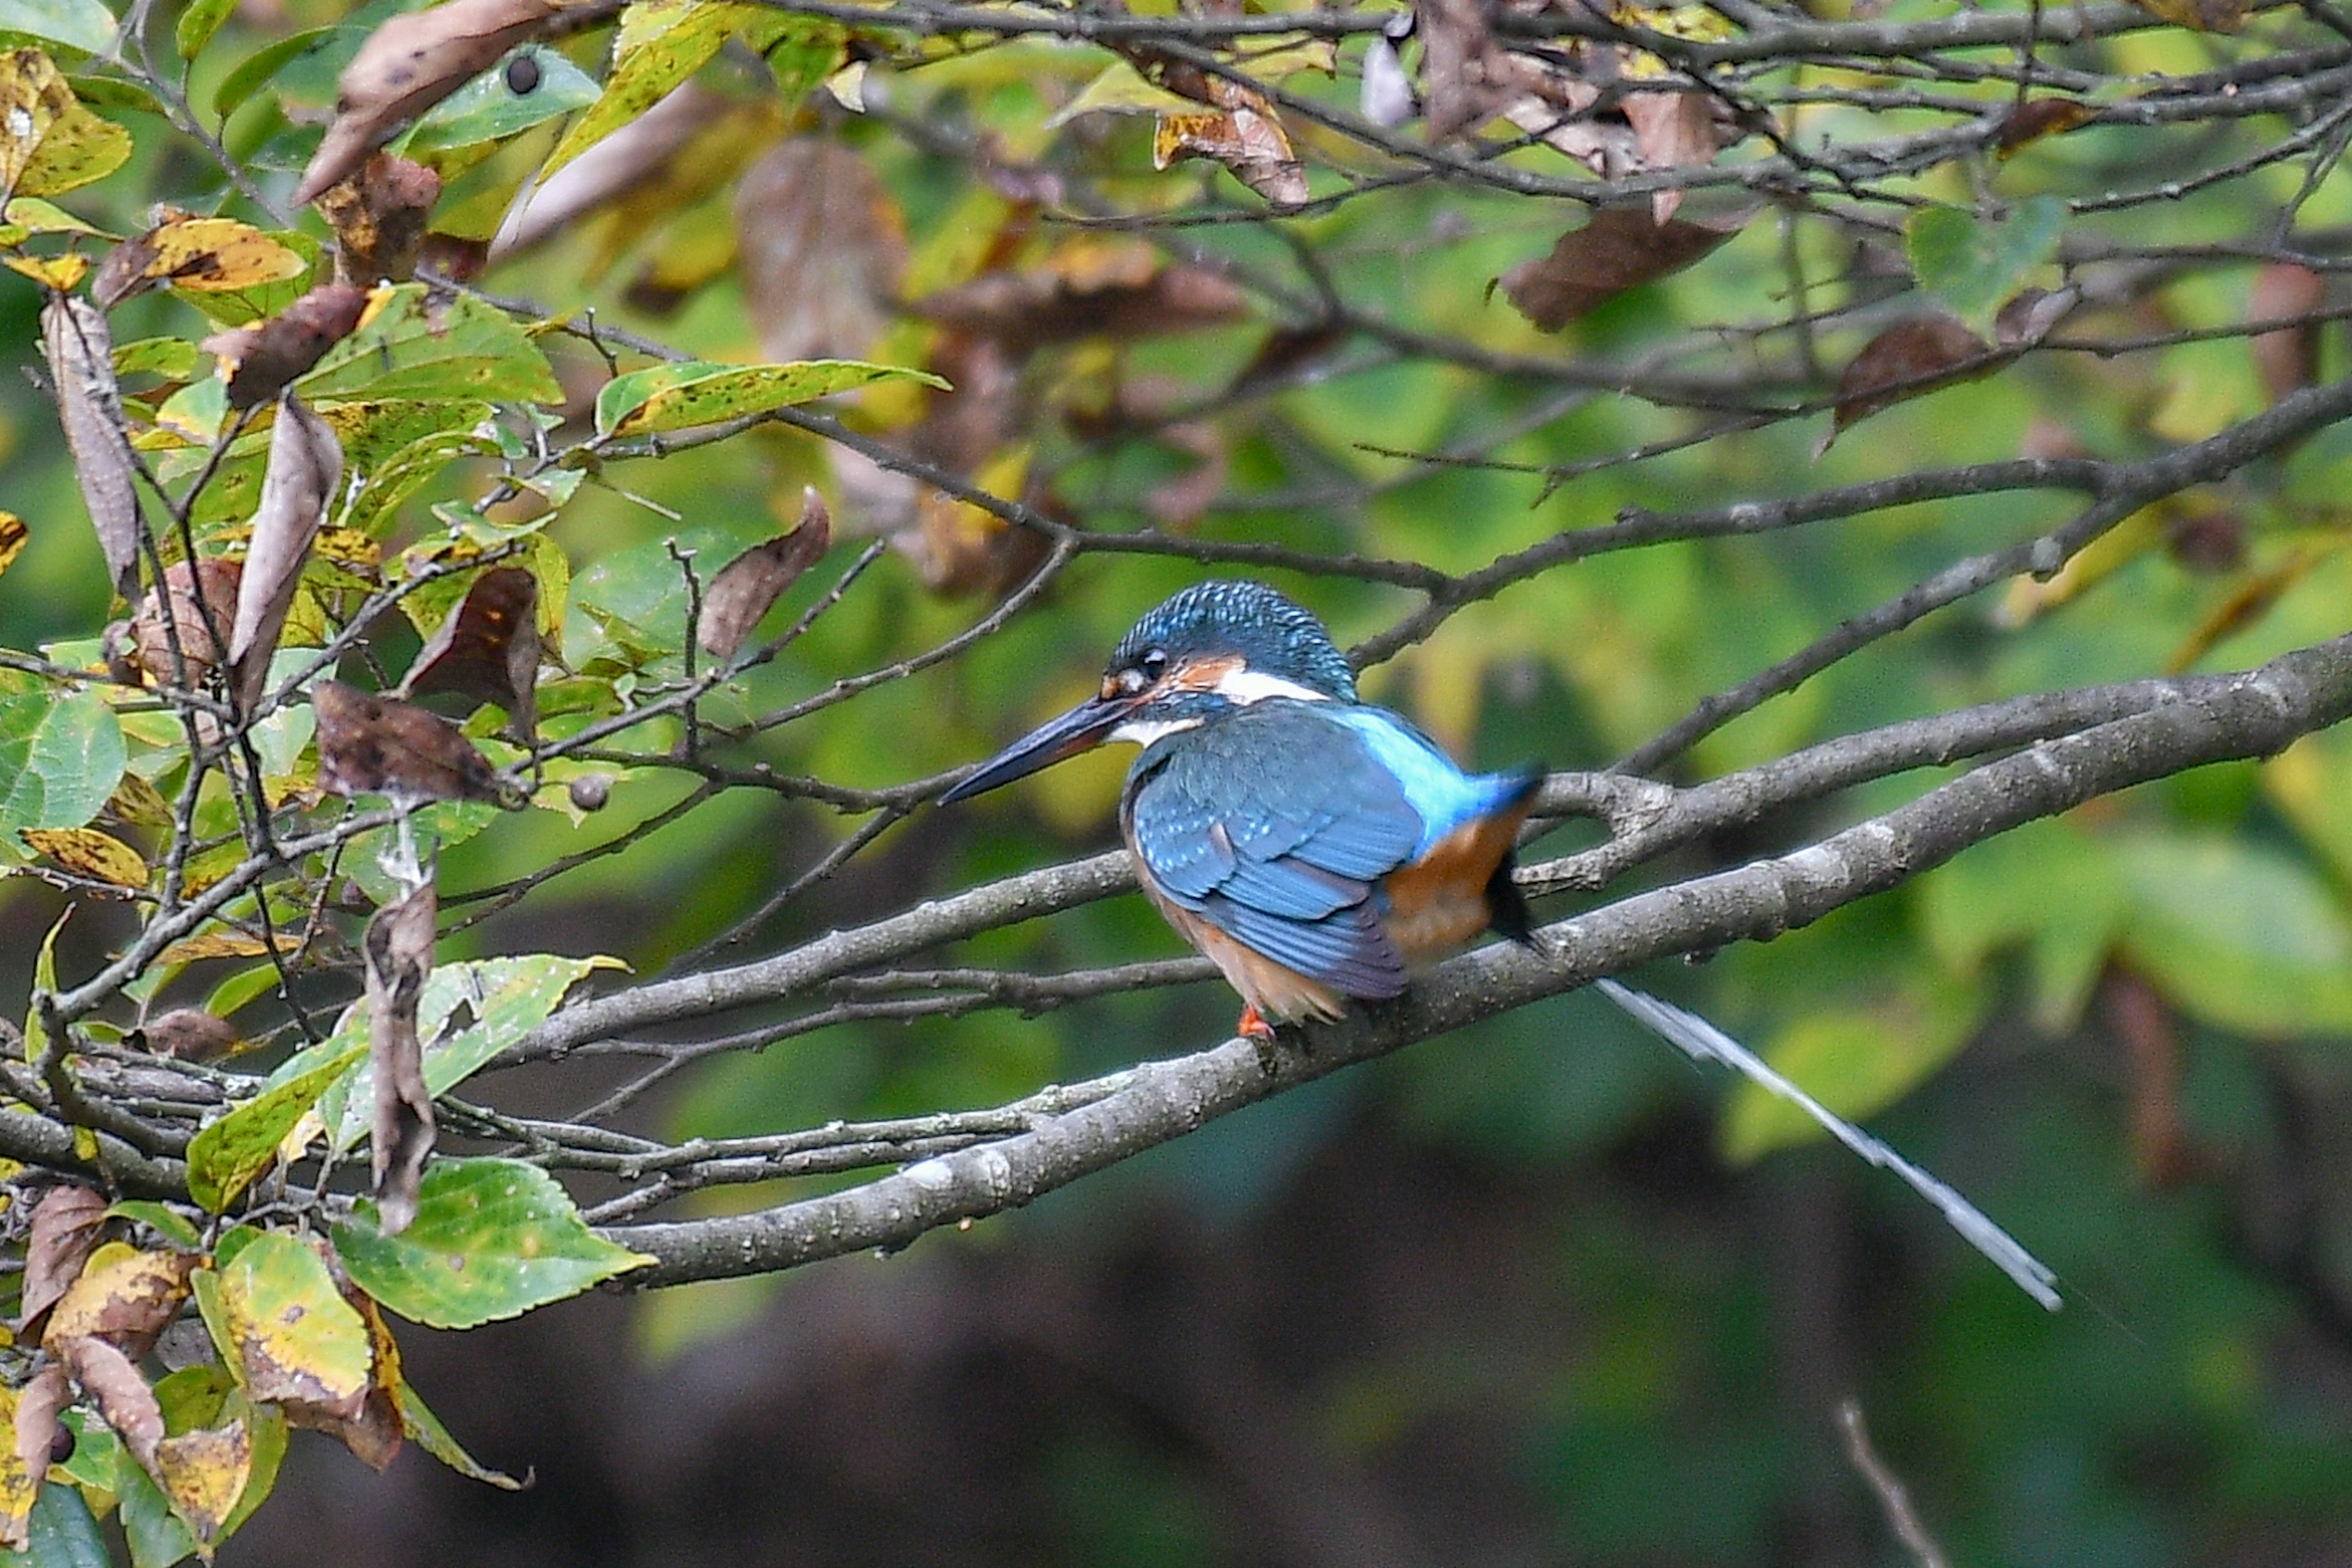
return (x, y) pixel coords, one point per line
(1307, 842)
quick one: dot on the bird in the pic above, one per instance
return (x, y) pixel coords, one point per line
(1311, 844)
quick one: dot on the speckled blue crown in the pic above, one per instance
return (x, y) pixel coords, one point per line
(1225, 615)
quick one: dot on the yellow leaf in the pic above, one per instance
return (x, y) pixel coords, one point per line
(292, 1336)
(17, 1489)
(221, 944)
(87, 852)
(48, 142)
(203, 1473)
(209, 254)
(59, 272)
(122, 1294)
(13, 534)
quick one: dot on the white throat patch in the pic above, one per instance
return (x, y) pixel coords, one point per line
(1143, 731)
(1244, 687)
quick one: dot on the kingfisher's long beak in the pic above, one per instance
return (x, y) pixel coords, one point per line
(1081, 728)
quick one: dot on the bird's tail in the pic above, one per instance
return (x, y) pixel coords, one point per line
(1507, 907)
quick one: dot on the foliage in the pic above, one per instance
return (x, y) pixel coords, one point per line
(872, 376)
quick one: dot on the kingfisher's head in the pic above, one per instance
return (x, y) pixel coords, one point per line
(1214, 648)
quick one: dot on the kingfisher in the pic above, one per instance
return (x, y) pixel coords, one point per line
(1311, 843)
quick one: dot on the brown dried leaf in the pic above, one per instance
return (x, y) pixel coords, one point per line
(2200, 16)
(210, 255)
(223, 944)
(203, 1473)
(1671, 130)
(380, 215)
(2288, 359)
(822, 248)
(407, 65)
(381, 746)
(191, 1033)
(748, 585)
(2030, 122)
(398, 954)
(305, 469)
(259, 361)
(487, 648)
(1620, 248)
(122, 1296)
(373, 1434)
(191, 622)
(38, 1405)
(1089, 289)
(1903, 362)
(80, 352)
(87, 852)
(630, 157)
(62, 1235)
(1242, 132)
(1178, 503)
(107, 1376)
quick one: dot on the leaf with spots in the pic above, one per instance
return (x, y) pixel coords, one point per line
(87, 852)
(123, 1297)
(225, 1157)
(492, 1239)
(694, 392)
(413, 345)
(48, 142)
(286, 1332)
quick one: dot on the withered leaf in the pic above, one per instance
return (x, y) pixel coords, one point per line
(62, 1235)
(748, 585)
(80, 352)
(398, 951)
(1088, 290)
(373, 1434)
(1620, 248)
(1671, 130)
(87, 852)
(380, 215)
(209, 254)
(381, 746)
(1241, 131)
(203, 1473)
(821, 249)
(1906, 360)
(2288, 359)
(123, 1296)
(2030, 122)
(107, 1376)
(409, 64)
(487, 648)
(191, 1033)
(192, 620)
(38, 1405)
(305, 469)
(610, 169)
(259, 361)
(2200, 16)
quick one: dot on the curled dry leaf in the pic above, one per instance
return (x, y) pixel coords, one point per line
(407, 65)
(1620, 248)
(398, 954)
(305, 469)
(1239, 130)
(38, 1405)
(192, 620)
(1903, 362)
(203, 1473)
(487, 648)
(1088, 288)
(210, 255)
(620, 164)
(1671, 130)
(381, 746)
(748, 585)
(122, 1296)
(109, 1377)
(821, 250)
(380, 215)
(59, 1240)
(2288, 359)
(260, 361)
(2028, 122)
(80, 352)
(191, 1033)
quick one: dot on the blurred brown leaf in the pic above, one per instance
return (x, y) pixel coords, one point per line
(1904, 361)
(410, 63)
(190, 1034)
(109, 1379)
(380, 215)
(38, 1405)
(487, 648)
(398, 954)
(2200, 16)
(1620, 247)
(305, 469)
(1671, 130)
(2030, 122)
(2288, 359)
(62, 1235)
(260, 361)
(192, 622)
(80, 352)
(1089, 288)
(822, 251)
(610, 169)
(1239, 130)
(747, 586)
(381, 746)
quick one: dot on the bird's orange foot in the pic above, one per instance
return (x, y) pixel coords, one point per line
(1253, 1024)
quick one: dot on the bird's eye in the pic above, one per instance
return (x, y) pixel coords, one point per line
(1155, 663)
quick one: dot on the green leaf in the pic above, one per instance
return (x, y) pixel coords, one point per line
(417, 346)
(198, 23)
(489, 107)
(1974, 266)
(176, 358)
(61, 755)
(35, 215)
(1855, 1060)
(157, 1536)
(2238, 933)
(61, 1534)
(492, 1239)
(84, 25)
(225, 1157)
(45, 978)
(420, 1424)
(2048, 887)
(660, 44)
(257, 67)
(696, 391)
(245, 986)
(285, 1328)
(164, 1221)
(506, 998)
